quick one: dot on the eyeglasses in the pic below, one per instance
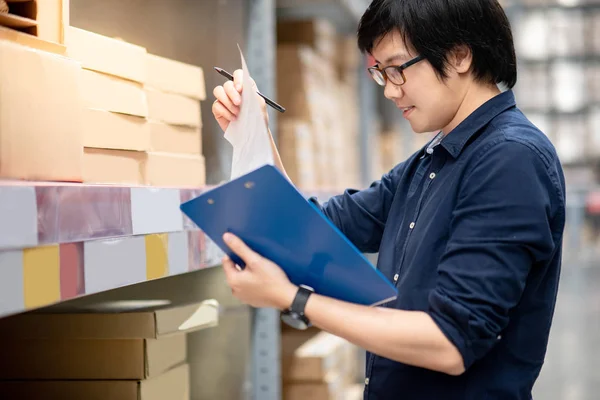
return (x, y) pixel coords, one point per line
(393, 73)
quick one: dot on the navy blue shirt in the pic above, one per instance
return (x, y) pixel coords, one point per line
(470, 234)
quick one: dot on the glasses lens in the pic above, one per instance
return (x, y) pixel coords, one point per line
(377, 76)
(394, 75)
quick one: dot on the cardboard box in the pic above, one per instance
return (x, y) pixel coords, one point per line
(174, 139)
(175, 170)
(108, 130)
(116, 320)
(172, 385)
(34, 42)
(113, 166)
(52, 19)
(45, 19)
(108, 93)
(173, 108)
(40, 115)
(311, 358)
(332, 387)
(175, 77)
(319, 34)
(104, 54)
(90, 358)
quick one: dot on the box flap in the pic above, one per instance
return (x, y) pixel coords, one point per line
(105, 54)
(108, 130)
(175, 170)
(172, 385)
(173, 108)
(61, 390)
(175, 77)
(72, 359)
(175, 139)
(113, 166)
(165, 353)
(187, 318)
(119, 323)
(31, 41)
(109, 93)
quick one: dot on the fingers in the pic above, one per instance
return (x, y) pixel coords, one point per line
(239, 247)
(238, 79)
(223, 98)
(221, 112)
(232, 93)
(230, 270)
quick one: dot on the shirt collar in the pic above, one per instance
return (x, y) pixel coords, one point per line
(455, 141)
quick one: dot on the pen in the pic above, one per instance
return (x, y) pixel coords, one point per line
(267, 100)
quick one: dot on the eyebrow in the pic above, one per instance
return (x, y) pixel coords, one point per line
(398, 57)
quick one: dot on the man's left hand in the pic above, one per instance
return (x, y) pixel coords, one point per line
(262, 283)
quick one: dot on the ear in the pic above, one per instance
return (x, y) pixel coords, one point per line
(461, 59)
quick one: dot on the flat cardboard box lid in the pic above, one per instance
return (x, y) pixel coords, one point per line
(120, 323)
(172, 385)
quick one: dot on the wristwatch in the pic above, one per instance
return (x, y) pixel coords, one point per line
(294, 316)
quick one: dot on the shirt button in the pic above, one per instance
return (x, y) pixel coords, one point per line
(396, 277)
(432, 175)
(366, 381)
(412, 225)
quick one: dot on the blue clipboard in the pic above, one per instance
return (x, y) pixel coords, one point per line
(274, 219)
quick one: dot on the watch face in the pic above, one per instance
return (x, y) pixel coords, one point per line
(294, 320)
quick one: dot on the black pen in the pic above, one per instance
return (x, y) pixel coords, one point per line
(267, 100)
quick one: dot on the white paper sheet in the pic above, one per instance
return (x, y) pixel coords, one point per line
(248, 134)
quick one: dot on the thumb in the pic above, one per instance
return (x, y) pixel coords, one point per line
(240, 248)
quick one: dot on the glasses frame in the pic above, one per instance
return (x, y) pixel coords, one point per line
(399, 68)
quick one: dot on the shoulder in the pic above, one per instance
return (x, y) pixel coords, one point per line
(513, 135)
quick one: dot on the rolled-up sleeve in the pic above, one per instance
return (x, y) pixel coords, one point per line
(500, 229)
(361, 215)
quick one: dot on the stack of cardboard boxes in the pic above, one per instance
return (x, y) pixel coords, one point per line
(81, 107)
(141, 118)
(321, 111)
(124, 355)
(319, 366)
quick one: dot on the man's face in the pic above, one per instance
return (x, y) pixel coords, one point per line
(428, 103)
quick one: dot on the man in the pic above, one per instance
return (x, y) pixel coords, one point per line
(469, 229)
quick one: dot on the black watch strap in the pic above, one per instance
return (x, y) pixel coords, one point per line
(301, 299)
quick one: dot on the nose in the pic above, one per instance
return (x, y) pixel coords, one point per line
(392, 91)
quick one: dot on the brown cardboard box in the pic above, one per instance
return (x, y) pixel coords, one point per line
(45, 19)
(173, 108)
(175, 139)
(296, 147)
(175, 77)
(90, 358)
(52, 19)
(175, 170)
(104, 54)
(34, 42)
(113, 166)
(172, 385)
(332, 387)
(40, 115)
(112, 321)
(319, 34)
(311, 358)
(106, 92)
(108, 130)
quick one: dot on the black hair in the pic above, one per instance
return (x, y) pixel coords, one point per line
(433, 28)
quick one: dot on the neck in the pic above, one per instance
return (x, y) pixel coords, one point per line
(474, 97)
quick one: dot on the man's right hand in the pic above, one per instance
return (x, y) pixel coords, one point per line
(226, 107)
